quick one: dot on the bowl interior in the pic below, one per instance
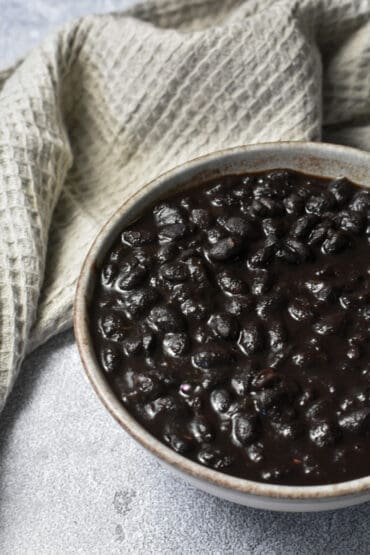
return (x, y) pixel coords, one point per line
(312, 158)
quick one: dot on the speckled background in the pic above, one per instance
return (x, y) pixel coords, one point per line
(71, 481)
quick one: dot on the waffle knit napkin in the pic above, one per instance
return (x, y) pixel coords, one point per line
(110, 102)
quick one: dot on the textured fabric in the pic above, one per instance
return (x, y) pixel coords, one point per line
(112, 101)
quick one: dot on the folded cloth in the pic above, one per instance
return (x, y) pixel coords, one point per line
(110, 102)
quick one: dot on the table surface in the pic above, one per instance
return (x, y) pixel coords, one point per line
(71, 481)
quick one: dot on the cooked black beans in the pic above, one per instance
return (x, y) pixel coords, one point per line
(233, 322)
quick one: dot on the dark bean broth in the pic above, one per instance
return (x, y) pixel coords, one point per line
(233, 321)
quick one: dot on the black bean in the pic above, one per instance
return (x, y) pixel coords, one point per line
(251, 339)
(201, 430)
(317, 410)
(131, 274)
(354, 353)
(111, 359)
(360, 202)
(330, 324)
(210, 456)
(143, 256)
(226, 248)
(215, 234)
(167, 252)
(186, 203)
(216, 189)
(279, 357)
(244, 428)
(237, 226)
(318, 235)
(302, 227)
(255, 452)
(165, 214)
(269, 304)
(273, 228)
(266, 207)
(261, 282)
(187, 390)
(223, 200)
(136, 238)
(117, 253)
(358, 339)
(212, 357)
(242, 380)
(278, 335)
(269, 401)
(224, 326)
(262, 257)
(197, 271)
(242, 192)
(266, 378)
(365, 312)
(310, 357)
(273, 186)
(172, 232)
(341, 189)
(335, 242)
(220, 400)
(321, 290)
(354, 299)
(178, 438)
(175, 272)
(195, 309)
(239, 305)
(266, 189)
(301, 309)
(148, 342)
(146, 386)
(161, 407)
(294, 204)
(324, 433)
(287, 429)
(139, 301)
(230, 283)
(318, 204)
(132, 345)
(113, 326)
(352, 222)
(293, 252)
(356, 421)
(109, 274)
(176, 344)
(201, 217)
(280, 181)
(165, 319)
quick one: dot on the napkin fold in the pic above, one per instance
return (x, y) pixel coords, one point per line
(110, 102)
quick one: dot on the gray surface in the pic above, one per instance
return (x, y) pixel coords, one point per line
(71, 481)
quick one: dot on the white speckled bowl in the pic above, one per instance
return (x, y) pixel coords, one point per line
(313, 158)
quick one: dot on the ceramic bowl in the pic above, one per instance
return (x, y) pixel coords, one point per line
(312, 158)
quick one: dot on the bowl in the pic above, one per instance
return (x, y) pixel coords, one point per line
(321, 159)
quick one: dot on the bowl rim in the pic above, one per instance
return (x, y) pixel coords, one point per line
(122, 416)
